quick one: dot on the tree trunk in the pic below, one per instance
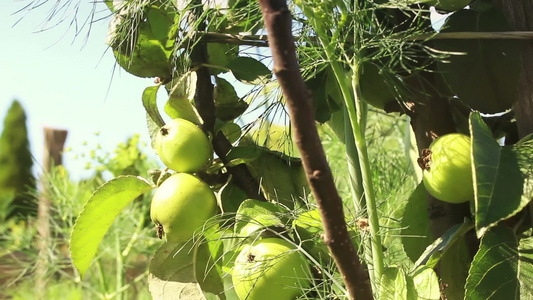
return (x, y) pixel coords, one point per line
(516, 12)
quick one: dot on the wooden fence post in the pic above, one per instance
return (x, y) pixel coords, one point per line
(54, 142)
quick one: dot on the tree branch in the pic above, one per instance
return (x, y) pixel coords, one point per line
(278, 20)
(205, 104)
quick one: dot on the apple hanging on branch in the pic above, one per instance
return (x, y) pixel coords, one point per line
(180, 206)
(270, 268)
(183, 146)
(447, 168)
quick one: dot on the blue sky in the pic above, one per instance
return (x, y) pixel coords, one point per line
(67, 82)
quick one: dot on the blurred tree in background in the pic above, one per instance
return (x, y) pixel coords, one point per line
(16, 179)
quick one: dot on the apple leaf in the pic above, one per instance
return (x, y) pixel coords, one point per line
(148, 59)
(525, 267)
(503, 176)
(242, 154)
(435, 251)
(98, 214)
(220, 55)
(228, 105)
(502, 268)
(207, 266)
(483, 73)
(180, 97)
(317, 86)
(416, 232)
(230, 197)
(423, 284)
(282, 178)
(231, 131)
(453, 268)
(254, 215)
(172, 273)
(160, 21)
(249, 70)
(393, 285)
(149, 99)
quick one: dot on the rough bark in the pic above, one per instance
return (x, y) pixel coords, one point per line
(278, 20)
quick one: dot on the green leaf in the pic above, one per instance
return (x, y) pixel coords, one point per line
(317, 85)
(435, 251)
(160, 22)
(231, 131)
(153, 118)
(416, 232)
(181, 95)
(483, 73)
(249, 70)
(242, 154)
(172, 272)
(525, 268)
(423, 284)
(453, 268)
(98, 214)
(494, 272)
(393, 285)
(149, 58)
(282, 178)
(254, 215)
(503, 176)
(220, 55)
(150, 104)
(275, 137)
(207, 268)
(230, 197)
(228, 105)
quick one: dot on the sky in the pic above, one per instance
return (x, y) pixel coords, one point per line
(66, 81)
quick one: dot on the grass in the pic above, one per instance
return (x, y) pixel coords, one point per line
(115, 274)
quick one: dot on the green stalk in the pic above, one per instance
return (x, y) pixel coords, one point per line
(350, 90)
(371, 205)
(120, 267)
(101, 277)
(356, 188)
(135, 236)
(354, 106)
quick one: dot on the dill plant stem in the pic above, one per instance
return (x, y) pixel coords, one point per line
(350, 90)
(354, 108)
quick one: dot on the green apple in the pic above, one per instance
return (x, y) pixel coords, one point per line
(182, 146)
(447, 168)
(180, 206)
(270, 268)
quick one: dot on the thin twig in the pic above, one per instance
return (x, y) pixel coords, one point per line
(205, 104)
(262, 40)
(278, 20)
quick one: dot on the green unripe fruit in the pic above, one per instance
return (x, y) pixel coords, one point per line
(182, 146)
(180, 206)
(447, 168)
(271, 268)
